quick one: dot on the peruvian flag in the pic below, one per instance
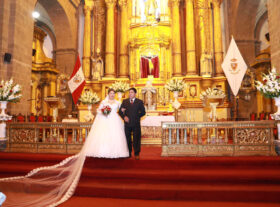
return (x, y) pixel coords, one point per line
(77, 81)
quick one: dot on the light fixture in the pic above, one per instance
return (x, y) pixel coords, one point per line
(35, 14)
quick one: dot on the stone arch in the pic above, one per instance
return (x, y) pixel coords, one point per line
(259, 24)
(244, 15)
(63, 16)
(50, 32)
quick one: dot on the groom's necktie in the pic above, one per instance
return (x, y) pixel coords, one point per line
(131, 101)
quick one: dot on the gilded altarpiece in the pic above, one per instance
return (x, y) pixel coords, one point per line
(179, 33)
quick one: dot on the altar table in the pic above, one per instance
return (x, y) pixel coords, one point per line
(151, 128)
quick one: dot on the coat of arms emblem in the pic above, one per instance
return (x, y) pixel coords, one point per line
(234, 66)
(77, 79)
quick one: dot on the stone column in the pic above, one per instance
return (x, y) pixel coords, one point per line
(176, 39)
(33, 96)
(110, 40)
(218, 44)
(123, 40)
(190, 39)
(86, 44)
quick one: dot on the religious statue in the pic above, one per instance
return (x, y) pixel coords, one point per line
(206, 65)
(151, 9)
(97, 66)
(149, 93)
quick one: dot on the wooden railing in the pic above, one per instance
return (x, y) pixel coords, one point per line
(46, 137)
(178, 138)
(218, 138)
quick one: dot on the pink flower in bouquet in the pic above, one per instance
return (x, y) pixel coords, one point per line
(106, 110)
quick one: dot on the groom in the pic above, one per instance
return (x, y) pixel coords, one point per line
(131, 110)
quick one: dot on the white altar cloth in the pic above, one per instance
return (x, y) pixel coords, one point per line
(155, 121)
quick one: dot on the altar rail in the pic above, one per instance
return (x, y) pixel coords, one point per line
(218, 138)
(46, 137)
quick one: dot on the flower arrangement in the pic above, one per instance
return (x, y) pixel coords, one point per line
(212, 93)
(120, 86)
(89, 98)
(9, 91)
(175, 85)
(270, 87)
(106, 110)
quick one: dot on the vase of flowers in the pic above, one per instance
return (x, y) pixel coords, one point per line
(89, 98)
(175, 86)
(270, 87)
(213, 97)
(9, 92)
(120, 88)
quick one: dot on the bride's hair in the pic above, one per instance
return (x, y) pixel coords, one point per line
(110, 89)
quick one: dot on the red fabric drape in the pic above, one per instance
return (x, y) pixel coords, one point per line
(144, 67)
(155, 72)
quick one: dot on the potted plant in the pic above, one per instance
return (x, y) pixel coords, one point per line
(88, 98)
(270, 88)
(120, 88)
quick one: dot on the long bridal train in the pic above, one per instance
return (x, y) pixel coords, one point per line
(52, 185)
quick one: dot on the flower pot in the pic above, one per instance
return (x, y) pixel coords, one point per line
(89, 116)
(277, 103)
(89, 106)
(120, 95)
(176, 94)
(3, 144)
(3, 106)
(277, 146)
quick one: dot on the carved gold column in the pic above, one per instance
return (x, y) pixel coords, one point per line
(87, 35)
(110, 40)
(218, 45)
(190, 39)
(123, 40)
(201, 15)
(176, 39)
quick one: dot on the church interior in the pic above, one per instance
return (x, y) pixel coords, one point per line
(209, 137)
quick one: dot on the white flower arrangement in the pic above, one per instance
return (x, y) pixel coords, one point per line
(9, 91)
(175, 85)
(212, 93)
(270, 87)
(120, 86)
(89, 98)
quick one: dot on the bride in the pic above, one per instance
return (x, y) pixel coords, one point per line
(107, 137)
(52, 185)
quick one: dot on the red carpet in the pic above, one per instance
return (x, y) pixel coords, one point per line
(211, 180)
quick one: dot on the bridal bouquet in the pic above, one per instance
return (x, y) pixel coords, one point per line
(89, 98)
(270, 87)
(175, 85)
(106, 110)
(120, 86)
(9, 91)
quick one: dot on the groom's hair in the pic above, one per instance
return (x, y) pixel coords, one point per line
(133, 89)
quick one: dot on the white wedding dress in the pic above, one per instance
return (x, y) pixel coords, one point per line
(106, 138)
(50, 186)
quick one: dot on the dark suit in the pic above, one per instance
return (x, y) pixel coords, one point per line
(134, 112)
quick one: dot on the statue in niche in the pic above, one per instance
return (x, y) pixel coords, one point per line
(206, 65)
(151, 9)
(97, 66)
(149, 93)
